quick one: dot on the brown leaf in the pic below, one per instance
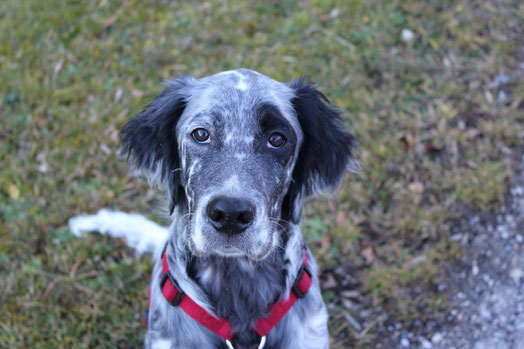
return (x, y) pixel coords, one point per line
(137, 93)
(416, 187)
(325, 243)
(330, 282)
(368, 255)
(407, 141)
(341, 218)
(110, 21)
(432, 148)
(472, 133)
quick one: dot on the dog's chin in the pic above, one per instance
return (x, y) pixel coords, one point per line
(255, 253)
(230, 252)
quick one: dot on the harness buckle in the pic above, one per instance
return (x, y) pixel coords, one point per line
(180, 294)
(260, 346)
(296, 290)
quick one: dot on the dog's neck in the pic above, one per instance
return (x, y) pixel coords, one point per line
(239, 289)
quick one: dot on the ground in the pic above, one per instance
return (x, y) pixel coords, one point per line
(432, 89)
(486, 302)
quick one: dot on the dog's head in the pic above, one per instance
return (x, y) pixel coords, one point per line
(237, 153)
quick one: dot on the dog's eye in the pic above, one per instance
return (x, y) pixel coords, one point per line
(200, 135)
(276, 140)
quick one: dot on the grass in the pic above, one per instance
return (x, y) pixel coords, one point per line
(434, 135)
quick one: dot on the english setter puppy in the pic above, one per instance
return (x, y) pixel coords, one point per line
(237, 153)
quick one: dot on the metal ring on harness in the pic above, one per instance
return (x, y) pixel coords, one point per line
(260, 346)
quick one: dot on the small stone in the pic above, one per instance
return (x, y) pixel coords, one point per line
(519, 238)
(425, 343)
(475, 268)
(502, 97)
(404, 342)
(484, 311)
(334, 12)
(407, 35)
(501, 229)
(456, 237)
(516, 274)
(437, 338)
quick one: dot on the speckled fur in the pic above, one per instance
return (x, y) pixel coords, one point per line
(238, 277)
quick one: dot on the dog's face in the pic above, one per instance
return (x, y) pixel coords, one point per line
(238, 152)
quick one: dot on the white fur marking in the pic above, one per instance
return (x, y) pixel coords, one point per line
(248, 139)
(161, 344)
(232, 183)
(242, 85)
(198, 237)
(206, 275)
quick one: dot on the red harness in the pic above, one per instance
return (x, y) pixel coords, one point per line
(176, 297)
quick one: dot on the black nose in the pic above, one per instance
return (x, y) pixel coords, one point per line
(230, 215)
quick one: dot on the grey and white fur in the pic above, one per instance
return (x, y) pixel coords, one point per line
(237, 153)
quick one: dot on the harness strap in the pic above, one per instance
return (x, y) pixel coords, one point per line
(176, 297)
(278, 310)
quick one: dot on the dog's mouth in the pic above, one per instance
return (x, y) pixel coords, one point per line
(230, 251)
(256, 244)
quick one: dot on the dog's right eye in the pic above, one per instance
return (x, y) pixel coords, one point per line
(200, 135)
(276, 140)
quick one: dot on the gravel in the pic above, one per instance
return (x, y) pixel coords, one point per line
(486, 291)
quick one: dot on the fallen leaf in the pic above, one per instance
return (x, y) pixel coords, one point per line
(433, 148)
(350, 294)
(407, 141)
(13, 191)
(137, 93)
(109, 22)
(417, 260)
(118, 94)
(416, 187)
(325, 243)
(472, 133)
(58, 67)
(341, 218)
(349, 305)
(368, 255)
(330, 282)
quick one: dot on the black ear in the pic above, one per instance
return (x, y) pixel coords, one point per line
(149, 139)
(327, 149)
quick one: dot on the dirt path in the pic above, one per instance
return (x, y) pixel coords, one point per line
(489, 295)
(487, 290)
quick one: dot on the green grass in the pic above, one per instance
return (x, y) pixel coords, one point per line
(433, 138)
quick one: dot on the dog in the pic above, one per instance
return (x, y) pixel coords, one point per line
(237, 153)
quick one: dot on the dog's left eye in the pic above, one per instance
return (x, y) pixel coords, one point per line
(276, 140)
(200, 135)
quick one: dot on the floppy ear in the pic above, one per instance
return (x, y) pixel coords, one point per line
(327, 148)
(149, 139)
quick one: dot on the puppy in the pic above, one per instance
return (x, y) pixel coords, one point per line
(237, 153)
